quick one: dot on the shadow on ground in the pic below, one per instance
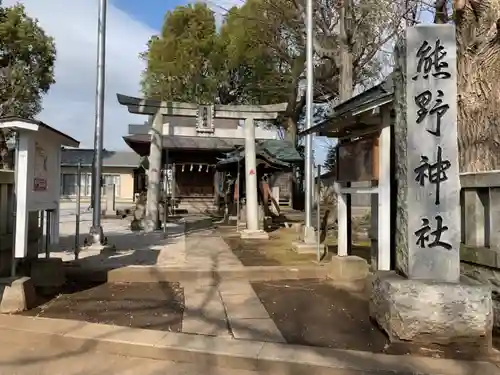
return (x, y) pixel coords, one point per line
(156, 306)
(310, 312)
(316, 313)
(277, 251)
(128, 248)
(334, 322)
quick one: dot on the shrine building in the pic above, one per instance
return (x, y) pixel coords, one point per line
(193, 141)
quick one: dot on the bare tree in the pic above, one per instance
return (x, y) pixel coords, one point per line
(349, 35)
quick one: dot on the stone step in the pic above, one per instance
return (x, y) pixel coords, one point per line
(149, 274)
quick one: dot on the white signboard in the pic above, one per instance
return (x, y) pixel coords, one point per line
(41, 174)
(432, 160)
(45, 170)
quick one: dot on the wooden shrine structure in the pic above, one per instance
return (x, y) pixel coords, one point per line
(191, 137)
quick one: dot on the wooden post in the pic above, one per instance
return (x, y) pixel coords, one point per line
(384, 193)
(342, 219)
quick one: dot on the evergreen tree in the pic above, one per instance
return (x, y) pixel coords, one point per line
(27, 58)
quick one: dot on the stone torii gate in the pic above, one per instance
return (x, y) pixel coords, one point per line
(206, 114)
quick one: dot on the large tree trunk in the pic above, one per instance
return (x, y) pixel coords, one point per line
(346, 59)
(478, 55)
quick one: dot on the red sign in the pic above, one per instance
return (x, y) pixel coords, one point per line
(251, 172)
(40, 184)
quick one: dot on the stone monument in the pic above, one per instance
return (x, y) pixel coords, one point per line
(426, 301)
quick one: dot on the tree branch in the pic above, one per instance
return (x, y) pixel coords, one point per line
(441, 15)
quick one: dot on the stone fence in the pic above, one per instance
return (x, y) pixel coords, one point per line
(480, 250)
(480, 205)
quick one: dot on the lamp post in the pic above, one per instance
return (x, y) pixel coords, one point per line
(309, 117)
(96, 229)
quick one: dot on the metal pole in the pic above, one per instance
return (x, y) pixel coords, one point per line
(41, 226)
(78, 203)
(173, 189)
(165, 195)
(48, 224)
(309, 116)
(318, 214)
(96, 230)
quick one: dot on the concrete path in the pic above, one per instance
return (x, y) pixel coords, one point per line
(230, 308)
(247, 317)
(227, 309)
(30, 359)
(200, 250)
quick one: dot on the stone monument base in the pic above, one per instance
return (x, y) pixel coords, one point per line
(16, 295)
(301, 247)
(424, 313)
(309, 242)
(247, 234)
(348, 269)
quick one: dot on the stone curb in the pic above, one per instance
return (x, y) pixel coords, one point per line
(79, 337)
(147, 274)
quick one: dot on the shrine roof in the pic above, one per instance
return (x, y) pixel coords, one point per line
(71, 158)
(279, 153)
(343, 121)
(188, 142)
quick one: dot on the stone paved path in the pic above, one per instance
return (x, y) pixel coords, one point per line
(200, 250)
(29, 359)
(229, 309)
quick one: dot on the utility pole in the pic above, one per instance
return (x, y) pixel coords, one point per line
(308, 243)
(309, 120)
(96, 230)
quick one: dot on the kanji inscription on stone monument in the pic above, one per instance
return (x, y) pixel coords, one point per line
(432, 154)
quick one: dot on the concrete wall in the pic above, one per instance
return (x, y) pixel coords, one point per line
(124, 193)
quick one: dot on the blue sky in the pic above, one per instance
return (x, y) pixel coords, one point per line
(150, 12)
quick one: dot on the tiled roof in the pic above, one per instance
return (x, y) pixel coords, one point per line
(71, 157)
(177, 142)
(384, 89)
